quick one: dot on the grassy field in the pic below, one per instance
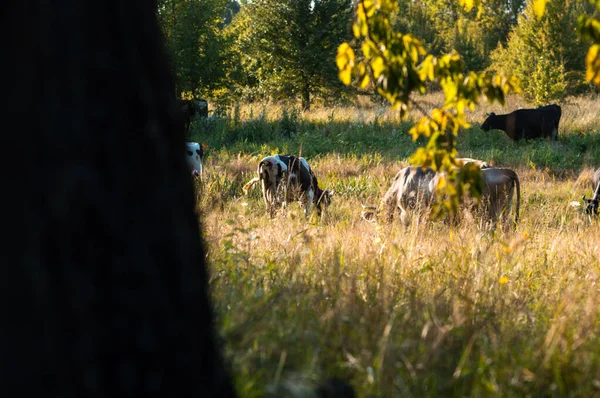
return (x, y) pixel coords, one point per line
(420, 311)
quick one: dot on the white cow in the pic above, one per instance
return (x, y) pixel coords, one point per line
(194, 155)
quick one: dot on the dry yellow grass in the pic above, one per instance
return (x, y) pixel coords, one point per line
(424, 310)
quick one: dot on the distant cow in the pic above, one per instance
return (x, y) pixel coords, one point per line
(591, 205)
(194, 157)
(285, 178)
(526, 123)
(191, 108)
(415, 187)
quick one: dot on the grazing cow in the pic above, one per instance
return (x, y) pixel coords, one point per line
(412, 186)
(416, 186)
(194, 157)
(285, 178)
(191, 108)
(526, 123)
(591, 205)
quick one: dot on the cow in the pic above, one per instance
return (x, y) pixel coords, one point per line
(591, 205)
(526, 123)
(191, 108)
(285, 178)
(415, 187)
(194, 157)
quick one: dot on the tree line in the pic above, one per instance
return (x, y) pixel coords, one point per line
(244, 50)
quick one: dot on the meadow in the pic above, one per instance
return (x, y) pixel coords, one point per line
(427, 310)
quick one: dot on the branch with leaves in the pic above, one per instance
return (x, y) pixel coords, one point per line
(399, 65)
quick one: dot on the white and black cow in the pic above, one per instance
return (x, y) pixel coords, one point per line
(194, 155)
(286, 178)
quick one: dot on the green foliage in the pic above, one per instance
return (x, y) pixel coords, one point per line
(545, 53)
(399, 65)
(287, 47)
(589, 28)
(194, 38)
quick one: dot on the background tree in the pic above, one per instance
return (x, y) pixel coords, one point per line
(288, 47)
(546, 54)
(194, 38)
(445, 26)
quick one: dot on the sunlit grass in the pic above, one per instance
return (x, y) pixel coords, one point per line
(423, 310)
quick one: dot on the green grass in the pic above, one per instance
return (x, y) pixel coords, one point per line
(420, 311)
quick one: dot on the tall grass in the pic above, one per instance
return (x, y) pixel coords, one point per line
(426, 310)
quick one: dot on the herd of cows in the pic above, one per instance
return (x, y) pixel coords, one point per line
(287, 178)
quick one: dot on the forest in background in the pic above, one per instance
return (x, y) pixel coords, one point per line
(284, 50)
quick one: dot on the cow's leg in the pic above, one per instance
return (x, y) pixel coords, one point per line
(308, 198)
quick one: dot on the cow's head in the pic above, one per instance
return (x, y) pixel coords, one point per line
(487, 124)
(194, 155)
(591, 205)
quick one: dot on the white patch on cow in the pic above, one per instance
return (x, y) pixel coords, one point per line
(310, 196)
(276, 158)
(304, 163)
(194, 160)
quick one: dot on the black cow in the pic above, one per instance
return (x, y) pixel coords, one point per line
(191, 108)
(526, 123)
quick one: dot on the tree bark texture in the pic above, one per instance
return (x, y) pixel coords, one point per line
(104, 286)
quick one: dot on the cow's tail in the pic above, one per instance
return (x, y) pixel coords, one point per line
(249, 185)
(517, 209)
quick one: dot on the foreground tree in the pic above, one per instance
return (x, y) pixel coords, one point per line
(287, 47)
(103, 274)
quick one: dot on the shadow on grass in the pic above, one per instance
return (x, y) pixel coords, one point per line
(390, 140)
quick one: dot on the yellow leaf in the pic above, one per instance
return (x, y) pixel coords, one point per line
(345, 56)
(503, 280)
(364, 82)
(356, 30)
(539, 6)
(467, 4)
(346, 76)
(377, 66)
(592, 63)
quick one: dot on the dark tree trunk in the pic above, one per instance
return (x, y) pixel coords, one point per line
(305, 95)
(104, 284)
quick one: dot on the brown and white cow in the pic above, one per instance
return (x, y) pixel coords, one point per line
(285, 178)
(415, 187)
